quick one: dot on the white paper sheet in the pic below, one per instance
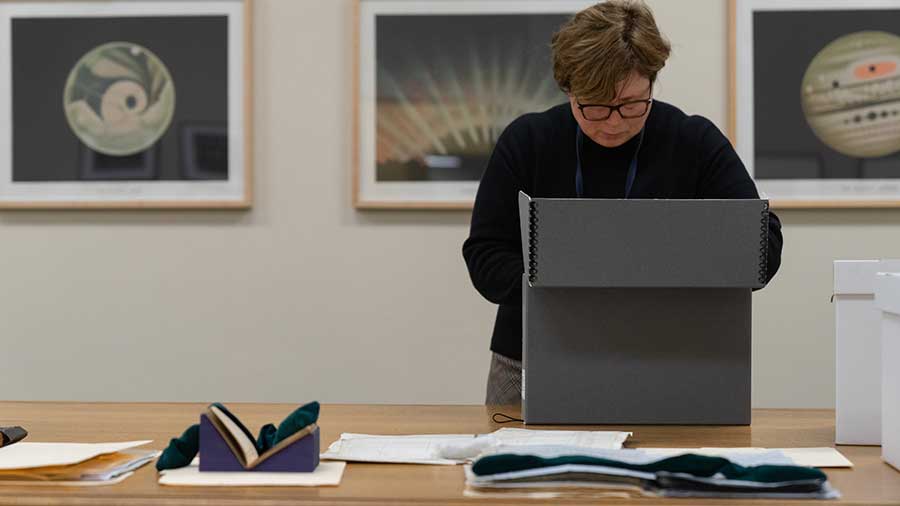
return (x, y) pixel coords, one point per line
(450, 449)
(413, 449)
(817, 457)
(810, 457)
(29, 455)
(326, 474)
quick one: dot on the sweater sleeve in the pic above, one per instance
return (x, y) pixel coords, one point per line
(723, 176)
(493, 251)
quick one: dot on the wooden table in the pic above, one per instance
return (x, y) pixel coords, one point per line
(871, 482)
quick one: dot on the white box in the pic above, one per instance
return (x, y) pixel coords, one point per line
(887, 299)
(857, 332)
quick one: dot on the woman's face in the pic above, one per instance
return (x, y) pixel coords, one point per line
(615, 130)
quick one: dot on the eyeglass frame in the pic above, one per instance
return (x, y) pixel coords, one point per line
(617, 108)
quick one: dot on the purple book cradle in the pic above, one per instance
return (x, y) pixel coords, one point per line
(301, 456)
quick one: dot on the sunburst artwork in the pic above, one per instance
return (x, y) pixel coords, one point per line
(439, 84)
(442, 106)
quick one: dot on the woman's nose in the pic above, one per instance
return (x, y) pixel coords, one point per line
(614, 119)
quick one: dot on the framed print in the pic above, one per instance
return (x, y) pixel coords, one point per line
(437, 81)
(816, 100)
(125, 104)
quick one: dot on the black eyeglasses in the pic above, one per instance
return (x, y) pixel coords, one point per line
(627, 110)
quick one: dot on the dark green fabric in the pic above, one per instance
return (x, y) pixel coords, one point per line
(269, 436)
(692, 464)
(181, 451)
(266, 437)
(301, 417)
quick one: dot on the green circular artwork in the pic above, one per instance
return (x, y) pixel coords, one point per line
(851, 94)
(119, 98)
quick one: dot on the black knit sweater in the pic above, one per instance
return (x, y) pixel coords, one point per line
(681, 157)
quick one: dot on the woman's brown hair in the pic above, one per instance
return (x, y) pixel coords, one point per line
(603, 44)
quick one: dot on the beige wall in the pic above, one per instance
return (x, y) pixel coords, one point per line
(305, 298)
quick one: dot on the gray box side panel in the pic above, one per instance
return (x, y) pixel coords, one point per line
(637, 356)
(650, 243)
(525, 291)
(524, 220)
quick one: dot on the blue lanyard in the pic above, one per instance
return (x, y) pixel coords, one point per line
(579, 179)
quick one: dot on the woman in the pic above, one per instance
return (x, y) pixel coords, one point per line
(611, 140)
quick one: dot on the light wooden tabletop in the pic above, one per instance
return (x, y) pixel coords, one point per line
(871, 482)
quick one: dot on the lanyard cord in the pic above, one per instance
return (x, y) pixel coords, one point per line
(579, 178)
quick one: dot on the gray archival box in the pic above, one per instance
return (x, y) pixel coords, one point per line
(638, 311)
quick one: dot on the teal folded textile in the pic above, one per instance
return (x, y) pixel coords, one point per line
(301, 417)
(269, 436)
(691, 464)
(181, 451)
(266, 438)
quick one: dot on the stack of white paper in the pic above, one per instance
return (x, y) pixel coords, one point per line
(450, 449)
(413, 449)
(70, 464)
(30, 455)
(581, 438)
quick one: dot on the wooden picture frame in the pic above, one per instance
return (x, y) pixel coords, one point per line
(210, 84)
(437, 176)
(799, 158)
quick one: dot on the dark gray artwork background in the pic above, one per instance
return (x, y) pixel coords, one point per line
(418, 56)
(784, 43)
(44, 50)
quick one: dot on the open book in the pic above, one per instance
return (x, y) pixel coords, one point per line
(241, 442)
